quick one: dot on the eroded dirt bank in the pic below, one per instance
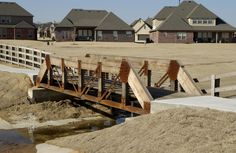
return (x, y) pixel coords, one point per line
(176, 130)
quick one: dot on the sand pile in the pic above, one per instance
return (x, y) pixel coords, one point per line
(13, 88)
(171, 131)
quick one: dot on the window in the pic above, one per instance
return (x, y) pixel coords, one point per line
(202, 21)
(129, 33)
(5, 19)
(99, 35)
(194, 21)
(210, 21)
(181, 35)
(205, 21)
(90, 33)
(115, 35)
(80, 32)
(225, 35)
(85, 32)
(30, 34)
(199, 22)
(3, 33)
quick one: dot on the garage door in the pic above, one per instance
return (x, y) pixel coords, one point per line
(143, 37)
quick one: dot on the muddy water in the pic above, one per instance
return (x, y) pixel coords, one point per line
(15, 141)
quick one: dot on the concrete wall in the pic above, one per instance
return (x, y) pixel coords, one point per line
(170, 37)
(107, 36)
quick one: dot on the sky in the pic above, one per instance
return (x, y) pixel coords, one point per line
(128, 10)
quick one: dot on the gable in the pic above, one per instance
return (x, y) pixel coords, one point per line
(144, 29)
(113, 22)
(138, 25)
(24, 24)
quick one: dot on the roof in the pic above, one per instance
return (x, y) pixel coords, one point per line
(174, 23)
(177, 20)
(80, 17)
(24, 24)
(149, 21)
(134, 22)
(113, 22)
(201, 12)
(164, 13)
(13, 9)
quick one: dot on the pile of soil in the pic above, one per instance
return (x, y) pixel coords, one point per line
(13, 89)
(177, 130)
(45, 111)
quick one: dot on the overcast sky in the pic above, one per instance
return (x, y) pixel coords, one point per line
(128, 10)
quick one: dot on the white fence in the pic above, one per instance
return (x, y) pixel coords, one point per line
(22, 56)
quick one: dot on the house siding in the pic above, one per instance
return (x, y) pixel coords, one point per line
(107, 36)
(170, 37)
(64, 34)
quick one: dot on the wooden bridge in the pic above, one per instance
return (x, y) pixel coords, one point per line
(118, 82)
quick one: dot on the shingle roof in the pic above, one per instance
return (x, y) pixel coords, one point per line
(113, 22)
(178, 18)
(185, 8)
(174, 23)
(149, 21)
(24, 24)
(80, 17)
(164, 13)
(13, 9)
(201, 12)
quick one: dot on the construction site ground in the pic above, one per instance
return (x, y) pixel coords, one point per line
(176, 130)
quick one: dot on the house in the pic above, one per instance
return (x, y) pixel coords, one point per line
(16, 22)
(190, 22)
(141, 29)
(93, 25)
(46, 30)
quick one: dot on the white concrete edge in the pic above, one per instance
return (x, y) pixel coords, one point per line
(48, 148)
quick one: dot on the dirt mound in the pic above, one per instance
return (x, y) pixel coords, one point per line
(176, 130)
(13, 88)
(45, 111)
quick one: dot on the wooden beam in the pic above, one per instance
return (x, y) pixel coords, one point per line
(187, 82)
(139, 90)
(42, 71)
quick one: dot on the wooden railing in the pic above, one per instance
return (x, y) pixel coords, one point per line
(216, 86)
(22, 56)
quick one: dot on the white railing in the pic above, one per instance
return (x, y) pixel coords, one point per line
(22, 56)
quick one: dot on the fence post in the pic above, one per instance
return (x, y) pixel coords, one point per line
(215, 83)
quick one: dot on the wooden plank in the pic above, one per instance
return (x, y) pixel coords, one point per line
(227, 88)
(187, 82)
(215, 83)
(139, 90)
(231, 74)
(42, 71)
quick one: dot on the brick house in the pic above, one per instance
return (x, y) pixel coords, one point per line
(93, 25)
(16, 22)
(141, 29)
(190, 22)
